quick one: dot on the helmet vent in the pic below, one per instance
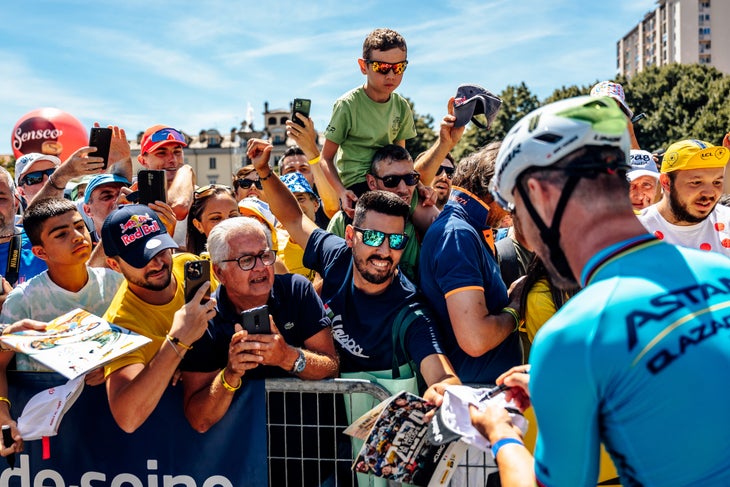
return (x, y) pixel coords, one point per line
(548, 137)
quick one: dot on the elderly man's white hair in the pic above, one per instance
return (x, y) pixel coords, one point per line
(225, 231)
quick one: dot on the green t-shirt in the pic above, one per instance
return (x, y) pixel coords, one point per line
(360, 126)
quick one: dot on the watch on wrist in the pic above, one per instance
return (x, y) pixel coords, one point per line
(300, 363)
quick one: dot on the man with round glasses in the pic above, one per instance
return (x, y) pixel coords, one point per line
(362, 287)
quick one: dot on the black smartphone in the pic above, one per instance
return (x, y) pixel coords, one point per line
(152, 186)
(101, 138)
(197, 272)
(256, 320)
(301, 105)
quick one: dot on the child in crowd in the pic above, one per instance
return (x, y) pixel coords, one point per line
(368, 117)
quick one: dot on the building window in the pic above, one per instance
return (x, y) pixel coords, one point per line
(283, 120)
(211, 163)
(212, 179)
(272, 121)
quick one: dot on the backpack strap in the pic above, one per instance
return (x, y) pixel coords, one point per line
(12, 271)
(403, 320)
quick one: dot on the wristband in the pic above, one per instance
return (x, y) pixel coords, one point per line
(267, 176)
(176, 341)
(314, 161)
(513, 312)
(5, 399)
(504, 441)
(226, 385)
(50, 180)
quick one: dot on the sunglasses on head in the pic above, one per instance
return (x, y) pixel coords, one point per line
(393, 181)
(247, 183)
(206, 190)
(385, 68)
(375, 238)
(445, 169)
(35, 177)
(167, 134)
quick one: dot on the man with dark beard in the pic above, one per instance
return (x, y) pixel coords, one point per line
(688, 215)
(363, 289)
(150, 302)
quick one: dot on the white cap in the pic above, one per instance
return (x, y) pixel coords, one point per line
(642, 164)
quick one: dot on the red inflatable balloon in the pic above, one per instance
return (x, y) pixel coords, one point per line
(48, 131)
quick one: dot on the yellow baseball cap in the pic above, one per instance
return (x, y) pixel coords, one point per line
(694, 154)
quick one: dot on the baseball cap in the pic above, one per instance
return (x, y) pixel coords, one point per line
(43, 413)
(255, 208)
(100, 180)
(474, 100)
(297, 183)
(136, 234)
(159, 135)
(642, 164)
(694, 154)
(615, 91)
(24, 164)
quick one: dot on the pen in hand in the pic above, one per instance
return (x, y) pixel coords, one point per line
(493, 392)
(7, 442)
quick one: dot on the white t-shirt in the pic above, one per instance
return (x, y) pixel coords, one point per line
(42, 299)
(712, 234)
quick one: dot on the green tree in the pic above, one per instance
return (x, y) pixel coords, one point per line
(517, 101)
(425, 134)
(567, 92)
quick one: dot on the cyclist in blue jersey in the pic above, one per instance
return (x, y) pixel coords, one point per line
(633, 360)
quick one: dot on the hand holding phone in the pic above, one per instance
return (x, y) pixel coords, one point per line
(152, 186)
(101, 138)
(302, 106)
(256, 320)
(197, 272)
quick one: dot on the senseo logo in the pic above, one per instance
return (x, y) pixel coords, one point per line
(37, 135)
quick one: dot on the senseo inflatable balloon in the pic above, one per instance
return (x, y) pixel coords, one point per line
(48, 131)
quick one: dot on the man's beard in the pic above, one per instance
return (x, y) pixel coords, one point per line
(681, 211)
(372, 277)
(153, 286)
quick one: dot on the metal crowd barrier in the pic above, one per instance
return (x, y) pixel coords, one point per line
(305, 420)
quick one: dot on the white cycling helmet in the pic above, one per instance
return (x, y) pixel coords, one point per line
(546, 135)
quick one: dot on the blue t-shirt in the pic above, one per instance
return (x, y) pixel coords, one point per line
(362, 323)
(454, 257)
(30, 265)
(637, 360)
(297, 312)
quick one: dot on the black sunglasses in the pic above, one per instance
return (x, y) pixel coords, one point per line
(393, 181)
(247, 183)
(35, 177)
(448, 170)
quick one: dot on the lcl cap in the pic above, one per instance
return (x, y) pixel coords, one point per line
(694, 154)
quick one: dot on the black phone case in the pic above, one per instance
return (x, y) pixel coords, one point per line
(302, 106)
(152, 186)
(101, 138)
(256, 320)
(196, 273)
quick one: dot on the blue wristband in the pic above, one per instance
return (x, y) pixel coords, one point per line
(504, 441)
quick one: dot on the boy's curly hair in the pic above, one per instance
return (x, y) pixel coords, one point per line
(383, 40)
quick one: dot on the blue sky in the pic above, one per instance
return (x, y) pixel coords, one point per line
(197, 65)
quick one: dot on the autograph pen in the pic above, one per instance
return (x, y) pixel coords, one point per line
(493, 392)
(7, 442)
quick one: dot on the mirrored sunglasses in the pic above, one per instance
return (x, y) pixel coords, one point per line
(247, 183)
(167, 134)
(385, 68)
(35, 177)
(394, 180)
(445, 169)
(248, 262)
(375, 238)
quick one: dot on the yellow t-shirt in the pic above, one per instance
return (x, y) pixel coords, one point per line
(291, 255)
(153, 321)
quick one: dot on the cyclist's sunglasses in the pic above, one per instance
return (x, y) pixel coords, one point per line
(167, 134)
(375, 238)
(384, 68)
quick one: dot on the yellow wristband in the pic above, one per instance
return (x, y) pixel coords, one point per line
(227, 386)
(5, 399)
(513, 312)
(176, 341)
(314, 161)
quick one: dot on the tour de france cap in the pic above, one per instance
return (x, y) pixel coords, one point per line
(615, 91)
(472, 101)
(100, 180)
(159, 135)
(642, 164)
(24, 164)
(136, 234)
(694, 154)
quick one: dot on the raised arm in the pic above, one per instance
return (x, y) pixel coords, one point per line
(427, 164)
(282, 203)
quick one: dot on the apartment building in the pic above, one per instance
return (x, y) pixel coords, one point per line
(678, 31)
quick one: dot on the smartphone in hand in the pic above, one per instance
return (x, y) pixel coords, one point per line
(256, 320)
(152, 186)
(302, 106)
(101, 138)
(197, 272)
